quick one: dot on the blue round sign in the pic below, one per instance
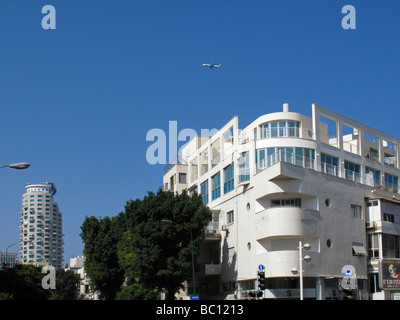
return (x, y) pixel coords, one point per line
(348, 273)
(261, 267)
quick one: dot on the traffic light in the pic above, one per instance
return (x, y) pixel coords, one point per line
(261, 280)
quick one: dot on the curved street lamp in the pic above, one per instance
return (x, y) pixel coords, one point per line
(191, 242)
(18, 166)
(6, 262)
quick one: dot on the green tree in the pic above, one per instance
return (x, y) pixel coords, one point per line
(23, 282)
(137, 247)
(67, 283)
(136, 291)
(159, 254)
(101, 237)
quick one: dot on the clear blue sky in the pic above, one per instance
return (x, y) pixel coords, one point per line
(77, 102)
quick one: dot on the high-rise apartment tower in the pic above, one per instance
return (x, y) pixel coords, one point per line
(41, 237)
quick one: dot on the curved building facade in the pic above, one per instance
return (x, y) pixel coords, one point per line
(41, 237)
(288, 179)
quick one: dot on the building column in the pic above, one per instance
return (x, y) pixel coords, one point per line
(320, 288)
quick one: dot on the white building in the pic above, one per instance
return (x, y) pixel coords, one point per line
(41, 237)
(8, 259)
(328, 180)
(76, 264)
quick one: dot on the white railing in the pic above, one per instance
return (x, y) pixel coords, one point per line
(305, 162)
(352, 175)
(285, 156)
(391, 186)
(329, 169)
(244, 174)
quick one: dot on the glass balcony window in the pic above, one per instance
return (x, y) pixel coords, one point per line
(280, 129)
(298, 156)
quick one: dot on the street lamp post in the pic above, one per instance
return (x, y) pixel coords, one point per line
(306, 258)
(18, 166)
(191, 243)
(5, 265)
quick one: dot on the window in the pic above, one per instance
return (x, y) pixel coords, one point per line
(228, 178)
(356, 211)
(373, 176)
(327, 203)
(373, 154)
(228, 286)
(244, 170)
(352, 171)
(182, 177)
(372, 204)
(388, 217)
(374, 283)
(216, 186)
(280, 129)
(329, 164)
(204, 191)
(390, 246)
(286, 203)
(303, 157)
(391, 182)
(229, 217)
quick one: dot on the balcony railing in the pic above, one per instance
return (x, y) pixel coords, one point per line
(352, 175)
(285, 156)
(178, 160)
(209, 269)
(329, 169)
(212, 231)
(244, 174)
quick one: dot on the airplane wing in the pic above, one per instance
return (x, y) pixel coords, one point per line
(206, 65)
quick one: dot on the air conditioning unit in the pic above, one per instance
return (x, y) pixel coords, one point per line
(370, 224)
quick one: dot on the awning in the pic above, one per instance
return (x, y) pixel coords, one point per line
(359, 250)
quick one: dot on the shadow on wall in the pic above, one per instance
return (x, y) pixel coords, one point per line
(228, 267)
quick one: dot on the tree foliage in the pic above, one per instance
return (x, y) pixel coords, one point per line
(101, 261)
(138, 247)
(67, 283)
(24, 282)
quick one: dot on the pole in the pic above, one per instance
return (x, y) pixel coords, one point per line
(193, 273)
(301, 268)
(7, 252)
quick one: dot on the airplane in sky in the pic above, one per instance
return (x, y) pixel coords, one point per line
(212, 66)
